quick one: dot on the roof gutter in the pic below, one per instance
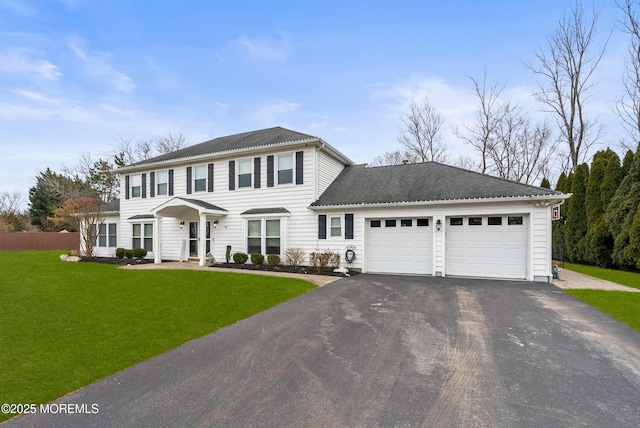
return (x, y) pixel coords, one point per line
(548, 199)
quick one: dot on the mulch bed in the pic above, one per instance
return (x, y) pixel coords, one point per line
(115, 261)
(263, 267)
(279, 268)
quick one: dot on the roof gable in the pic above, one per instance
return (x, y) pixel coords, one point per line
(246, 140)
(421, 182)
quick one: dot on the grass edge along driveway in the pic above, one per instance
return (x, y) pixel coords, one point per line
(66, 325)
(623, 306)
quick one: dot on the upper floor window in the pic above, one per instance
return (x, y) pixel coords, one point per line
(136, 186)
(285, 168)
(200, 178)
(162, 182)
(244, 173)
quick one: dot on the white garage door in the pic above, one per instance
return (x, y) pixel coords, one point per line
(487, 246)
(399, 245)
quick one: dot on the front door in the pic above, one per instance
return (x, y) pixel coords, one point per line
(194, 238)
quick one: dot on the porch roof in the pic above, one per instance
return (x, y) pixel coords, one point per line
(177, 207)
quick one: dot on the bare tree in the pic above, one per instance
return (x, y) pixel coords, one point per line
(85, 214)
(170, 143)
(481, 134)
(396, 157)
(421, 137)
(509, 145)
(566, 68)
(128, 152)
(628, 105)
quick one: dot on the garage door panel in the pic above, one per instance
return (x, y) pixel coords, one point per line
(399, 249)
(495, 251)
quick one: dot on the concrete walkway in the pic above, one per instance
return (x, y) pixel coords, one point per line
(570, 279)
(319, 280)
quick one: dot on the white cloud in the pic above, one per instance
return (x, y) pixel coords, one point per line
(97, 65)
(273, 112)
(262, 49)
(21, 63)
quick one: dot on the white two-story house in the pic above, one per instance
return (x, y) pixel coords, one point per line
(273, 189)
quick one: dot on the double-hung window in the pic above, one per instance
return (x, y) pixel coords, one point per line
(263, 236)
(162, 182)
(244, 173)
(336, 226)
(142, 236)
(285, 169)
(254, 236)
(136, 186)
(106, 235)
(200, 178)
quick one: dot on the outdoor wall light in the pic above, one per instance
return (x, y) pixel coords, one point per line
(438, 225)
(215, 224)
(181, 225)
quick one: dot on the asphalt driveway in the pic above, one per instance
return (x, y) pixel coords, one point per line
(383, 351)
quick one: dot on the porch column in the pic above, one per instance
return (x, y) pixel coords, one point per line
(157, 250)
(202, 242)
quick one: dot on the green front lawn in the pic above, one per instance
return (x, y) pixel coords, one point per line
(621, 305)
(65, 325)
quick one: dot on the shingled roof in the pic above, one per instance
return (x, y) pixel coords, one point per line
(263, 137)
(421, 182)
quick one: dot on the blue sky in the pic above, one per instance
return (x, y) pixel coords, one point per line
(76, 75)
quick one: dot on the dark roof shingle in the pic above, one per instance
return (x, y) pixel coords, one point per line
(263, 137)
(421, 182)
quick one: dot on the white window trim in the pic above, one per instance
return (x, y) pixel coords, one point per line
(143, 236)
(193, 178)
(283, 217)
(250, 161)
(135, 178)
(277, 169)
(106, 235)
(330, 226)
(158, 183)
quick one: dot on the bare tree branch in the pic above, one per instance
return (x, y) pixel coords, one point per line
(566, 69)
(421, 137)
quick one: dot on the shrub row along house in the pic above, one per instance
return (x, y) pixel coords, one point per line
(273, 189)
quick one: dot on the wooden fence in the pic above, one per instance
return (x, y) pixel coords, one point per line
(19, 241)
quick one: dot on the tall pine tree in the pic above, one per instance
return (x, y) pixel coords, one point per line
(576, 223)
(620, 217)
(604, 179)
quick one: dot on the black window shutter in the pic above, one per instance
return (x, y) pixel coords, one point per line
(270, 180)
(256, 173)
(232, 175)
(152, 184)
(144, 185)
(126, 187)
(189, 183)
(299, 168)
(210, 177)
(348, 226)
(322, 226)
(170, 182)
